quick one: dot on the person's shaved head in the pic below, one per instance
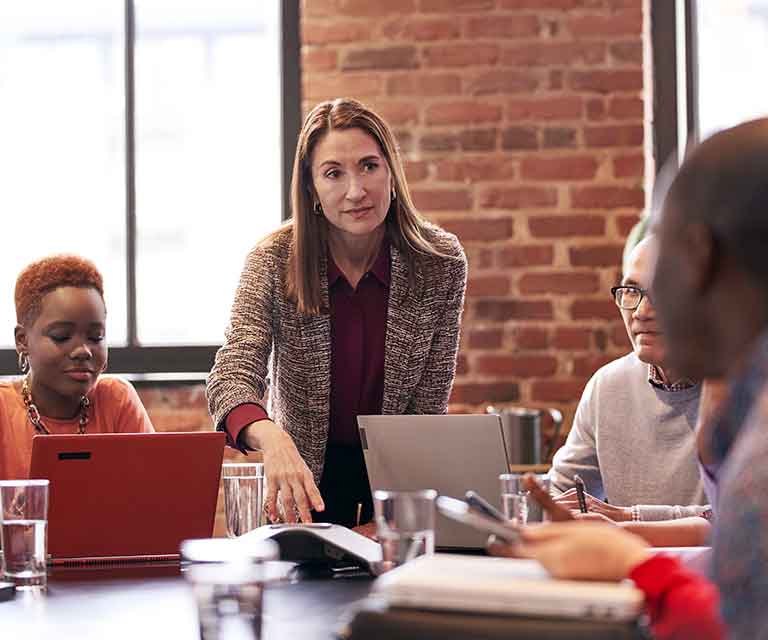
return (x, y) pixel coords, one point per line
(710, 284)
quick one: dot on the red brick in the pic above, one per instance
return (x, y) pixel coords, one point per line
(496, 26)
(559, 283)
(626, 109)
(421, 29)
(556, 390)
(181, 420)
(560, 108)
(590, 309)
(462, 113)
(531, 339)
(606, 197)
(620, 338)
(398, 113)
(559, 168)
(366, 8)
(503, 82)
(479, 229)
(507, 366)
(483, 393)
(451, 6)
(462, 365)
(423, 84)
(556, 80)
(519, 138)
(416, 171)
(404, 140)
(485, 339)
(604, 255)
(476, 169)
(566, 226)
(442, 199)
(384, 58)
(478, 139)
(540, 5)
(614, 136)
(558, 138)
(606, 81)
(479, 258)
(169, 397)
(587, 365)
(325, 87)
(503, 310)
(336, 32)
(572, 339)
(518, 198)
(527, 255)
(623, 22)
(546, 54)
(439, 142)
(487, 286)
(461, 55)
(629, 166)
(317, 59)
(628, 52)
(596, 109)
(625, 224)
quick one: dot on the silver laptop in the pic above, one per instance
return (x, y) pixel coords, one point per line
(447, 453)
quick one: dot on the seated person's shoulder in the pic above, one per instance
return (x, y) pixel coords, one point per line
(620, 370)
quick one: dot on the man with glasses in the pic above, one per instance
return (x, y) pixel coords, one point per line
(632, 440)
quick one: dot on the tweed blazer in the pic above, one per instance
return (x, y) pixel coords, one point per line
(271, 348)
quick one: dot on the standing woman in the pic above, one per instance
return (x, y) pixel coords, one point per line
(357, 300)
(60, 339)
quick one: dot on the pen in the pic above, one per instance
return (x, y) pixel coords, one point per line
(357, 517)
(580, 493)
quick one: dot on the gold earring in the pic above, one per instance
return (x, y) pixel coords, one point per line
(23, 361)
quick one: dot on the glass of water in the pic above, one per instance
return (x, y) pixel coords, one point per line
(405, 525)
(514, 498)
(243, 496)
(23, 525)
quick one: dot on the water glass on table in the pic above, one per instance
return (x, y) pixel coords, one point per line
(405, 525)
(243, 496)
(228, 579)
(23, 530)
(517, 505)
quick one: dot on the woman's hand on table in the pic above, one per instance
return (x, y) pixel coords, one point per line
(286, 473)
(570, 501)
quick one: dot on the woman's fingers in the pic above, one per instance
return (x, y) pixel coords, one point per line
(556, 512)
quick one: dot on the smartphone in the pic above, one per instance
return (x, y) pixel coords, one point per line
(462, 512)
(476, 501)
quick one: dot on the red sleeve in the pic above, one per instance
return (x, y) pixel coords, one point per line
(239, 418)
(682, 604)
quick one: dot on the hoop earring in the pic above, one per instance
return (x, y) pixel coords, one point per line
(317, 209)
(23, 361)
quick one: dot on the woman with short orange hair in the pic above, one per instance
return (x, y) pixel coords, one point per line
(60, 339)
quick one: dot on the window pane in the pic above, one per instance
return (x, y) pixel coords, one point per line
(733, 48)
(62, 150)
(208, 158)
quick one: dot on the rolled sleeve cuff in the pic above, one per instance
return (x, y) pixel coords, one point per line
(239, 418)
(656, 512)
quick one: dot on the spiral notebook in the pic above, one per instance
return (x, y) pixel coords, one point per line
(129, 497)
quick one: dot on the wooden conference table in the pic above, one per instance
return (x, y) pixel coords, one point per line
(156, 603)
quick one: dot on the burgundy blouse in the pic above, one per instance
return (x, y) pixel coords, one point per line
(358, 334)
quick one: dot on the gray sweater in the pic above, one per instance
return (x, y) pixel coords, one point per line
(634, 444)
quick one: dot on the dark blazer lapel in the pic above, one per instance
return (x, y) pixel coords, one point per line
(402, 330)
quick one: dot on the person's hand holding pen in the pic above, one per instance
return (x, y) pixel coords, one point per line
(570, 500)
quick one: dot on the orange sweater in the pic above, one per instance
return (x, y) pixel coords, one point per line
(115, 408)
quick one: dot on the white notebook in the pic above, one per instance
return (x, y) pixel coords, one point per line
(504, 586)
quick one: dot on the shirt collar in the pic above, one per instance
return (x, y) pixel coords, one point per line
(380, 269)
(656, 379)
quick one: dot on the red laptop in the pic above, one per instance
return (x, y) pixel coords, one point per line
(128, 496)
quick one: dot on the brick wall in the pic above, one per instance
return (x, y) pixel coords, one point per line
(522, 125)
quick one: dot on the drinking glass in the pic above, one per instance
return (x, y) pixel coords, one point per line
(517, 504)
(23, 531)
(228, 580)
(405, 525)
(243, 496)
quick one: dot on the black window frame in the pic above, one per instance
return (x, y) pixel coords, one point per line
(180, 362)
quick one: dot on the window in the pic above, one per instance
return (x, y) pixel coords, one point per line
(148, 136)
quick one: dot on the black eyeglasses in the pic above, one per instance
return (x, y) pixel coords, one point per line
(629, 297)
